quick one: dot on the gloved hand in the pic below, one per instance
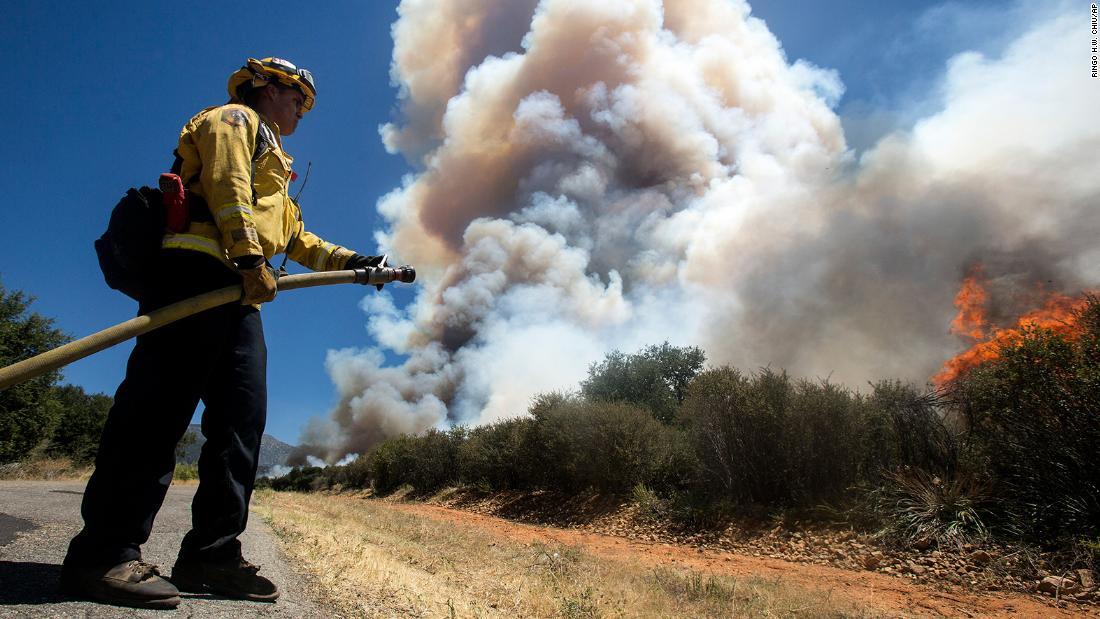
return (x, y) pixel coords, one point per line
(359, 261)
(259, 285)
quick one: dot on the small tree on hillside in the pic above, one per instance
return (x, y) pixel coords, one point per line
(28, 411)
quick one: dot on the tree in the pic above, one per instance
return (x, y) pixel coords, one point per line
(28, 411)
(656, 378)
(82, 416)
(188, 440)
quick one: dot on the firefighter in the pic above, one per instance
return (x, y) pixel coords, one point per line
(241, 214)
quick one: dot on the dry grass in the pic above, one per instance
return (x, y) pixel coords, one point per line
(46, 469)
(63, 469)
(379, 562)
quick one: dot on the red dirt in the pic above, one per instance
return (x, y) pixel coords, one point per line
(886, 594)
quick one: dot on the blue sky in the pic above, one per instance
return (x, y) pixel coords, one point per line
(98, 92)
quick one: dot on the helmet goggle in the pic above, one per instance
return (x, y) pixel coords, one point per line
(287, 74)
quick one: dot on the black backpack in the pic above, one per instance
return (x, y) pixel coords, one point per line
(132, 240)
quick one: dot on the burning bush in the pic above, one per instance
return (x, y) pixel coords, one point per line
(1033, 414)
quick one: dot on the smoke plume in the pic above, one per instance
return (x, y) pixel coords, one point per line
(602, 175)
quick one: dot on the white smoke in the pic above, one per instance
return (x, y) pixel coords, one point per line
(277, 471)
(306, 460)
(609, 175)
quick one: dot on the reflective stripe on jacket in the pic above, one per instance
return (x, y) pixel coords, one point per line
(249, 218)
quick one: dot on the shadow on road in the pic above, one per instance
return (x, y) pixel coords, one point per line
(11, 527)
(30, 583)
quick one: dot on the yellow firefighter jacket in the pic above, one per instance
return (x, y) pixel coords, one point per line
(252, 211)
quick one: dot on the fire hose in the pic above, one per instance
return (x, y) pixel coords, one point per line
(64, 355)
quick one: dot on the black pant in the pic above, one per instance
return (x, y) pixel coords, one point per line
(218, 356)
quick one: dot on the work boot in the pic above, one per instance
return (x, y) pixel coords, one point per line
(234, 578)
(133, 583)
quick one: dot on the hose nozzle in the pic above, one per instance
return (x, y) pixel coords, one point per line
(379, 276)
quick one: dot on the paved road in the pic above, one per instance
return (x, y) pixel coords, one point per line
(37, 519)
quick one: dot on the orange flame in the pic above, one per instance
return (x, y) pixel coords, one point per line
(1059, 314)
(970, 321)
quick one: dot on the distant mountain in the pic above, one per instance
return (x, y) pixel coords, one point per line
(273, 452)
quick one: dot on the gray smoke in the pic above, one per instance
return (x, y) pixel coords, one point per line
(615, 174)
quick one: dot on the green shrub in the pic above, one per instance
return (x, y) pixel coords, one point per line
(821, 442)
(427, 462)
(610, 446)
(186, 472)
(655, 379)
(501, 456)
(301, 479)
(907, 428)
(650, 505)
(355, 475)
(770, 440)
(188, 439)
(568, 443)
(736, 425)
(1009, 448)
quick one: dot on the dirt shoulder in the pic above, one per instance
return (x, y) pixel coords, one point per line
(378, 560)
(885, 593)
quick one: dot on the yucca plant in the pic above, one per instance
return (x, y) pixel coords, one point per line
(921, 506)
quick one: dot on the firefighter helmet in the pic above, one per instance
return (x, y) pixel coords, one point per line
(258, 73)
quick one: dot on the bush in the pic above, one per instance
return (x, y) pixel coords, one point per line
(567, 444)
(501, 456)
(905, 428)
(185, 472)
(770, 440)
(355, 475)
(427, 463)
(736, 424)
(654, 379)
(44, 468)
(1033, 416)
(821, 442)
(300, 479)
(610, 446)
(762, 439)
(188, 439)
